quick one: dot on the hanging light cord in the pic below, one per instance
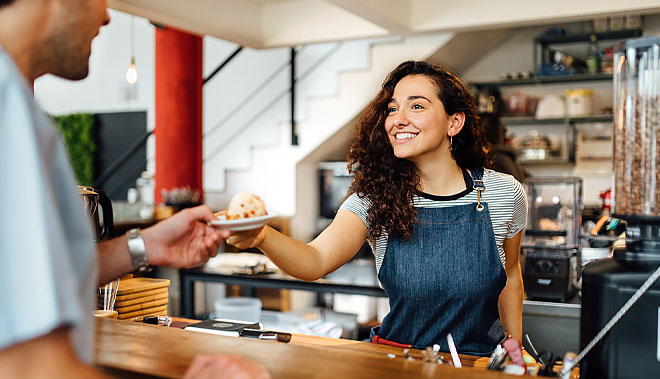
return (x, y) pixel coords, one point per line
(133, 39)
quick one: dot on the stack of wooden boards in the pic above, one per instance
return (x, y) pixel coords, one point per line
(140, 297)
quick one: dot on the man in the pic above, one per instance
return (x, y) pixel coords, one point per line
(49, 271)
(504, 157)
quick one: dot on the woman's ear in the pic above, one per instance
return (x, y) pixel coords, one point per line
(456, 123)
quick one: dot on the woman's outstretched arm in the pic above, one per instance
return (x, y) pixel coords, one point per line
(336, 245)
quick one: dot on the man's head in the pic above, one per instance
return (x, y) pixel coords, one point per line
(51, 36)
(69, 38)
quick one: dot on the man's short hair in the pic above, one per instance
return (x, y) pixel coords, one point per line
(5, 2)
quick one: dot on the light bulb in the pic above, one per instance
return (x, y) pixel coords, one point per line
(131, 73)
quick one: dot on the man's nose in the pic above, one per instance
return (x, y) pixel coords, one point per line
(106, 19)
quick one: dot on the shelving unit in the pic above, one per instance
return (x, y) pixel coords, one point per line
(541, 46)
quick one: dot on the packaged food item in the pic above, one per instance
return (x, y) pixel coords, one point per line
(520, 104)
(579, 102)
(600, 24)
(594, 55)
(607, 61)
(616, 23)
(633, 21)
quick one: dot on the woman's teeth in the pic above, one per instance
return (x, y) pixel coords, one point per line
(401, 136)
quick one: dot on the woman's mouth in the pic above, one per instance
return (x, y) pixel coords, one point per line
(405, 136)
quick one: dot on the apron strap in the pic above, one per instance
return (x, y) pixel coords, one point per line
(478, 185)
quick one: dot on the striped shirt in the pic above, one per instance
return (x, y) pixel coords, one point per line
(504, 195)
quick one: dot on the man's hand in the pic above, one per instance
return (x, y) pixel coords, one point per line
(225, 366)
(183, 240)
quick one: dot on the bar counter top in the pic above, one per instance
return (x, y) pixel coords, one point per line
(134, 350)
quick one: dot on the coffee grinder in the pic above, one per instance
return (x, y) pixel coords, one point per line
(551, 239)
(631, 348)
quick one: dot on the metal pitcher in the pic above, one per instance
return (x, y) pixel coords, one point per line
(92, 199)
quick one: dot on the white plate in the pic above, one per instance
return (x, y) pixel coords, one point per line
(242, 223)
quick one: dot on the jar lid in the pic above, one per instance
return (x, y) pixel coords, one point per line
(579, 92)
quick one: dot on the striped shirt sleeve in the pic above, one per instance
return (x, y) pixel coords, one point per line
(357, 205)
(519, 215)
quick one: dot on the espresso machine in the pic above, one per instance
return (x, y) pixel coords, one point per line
(93, 199)
(627, 282)
(551, 239)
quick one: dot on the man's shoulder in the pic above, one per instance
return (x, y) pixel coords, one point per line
(12, 83)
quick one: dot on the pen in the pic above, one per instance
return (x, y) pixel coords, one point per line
(454, 353)
(265, 335)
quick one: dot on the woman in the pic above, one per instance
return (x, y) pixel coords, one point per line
(445, 232)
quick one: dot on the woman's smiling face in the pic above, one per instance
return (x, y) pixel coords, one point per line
(417, 123)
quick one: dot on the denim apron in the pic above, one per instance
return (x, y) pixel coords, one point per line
(446, 279)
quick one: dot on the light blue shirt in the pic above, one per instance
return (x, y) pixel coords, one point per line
(47, 258)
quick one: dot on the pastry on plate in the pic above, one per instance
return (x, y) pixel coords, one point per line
(244, 205)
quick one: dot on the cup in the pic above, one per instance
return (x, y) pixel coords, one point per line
(105, 313)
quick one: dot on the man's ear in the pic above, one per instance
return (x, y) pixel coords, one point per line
(456, 124)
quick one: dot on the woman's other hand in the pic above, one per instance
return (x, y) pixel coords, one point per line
(248, 238)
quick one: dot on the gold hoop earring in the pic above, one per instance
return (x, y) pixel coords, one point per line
(451, 143)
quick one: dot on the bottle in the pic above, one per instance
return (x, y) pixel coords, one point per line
(593, 57)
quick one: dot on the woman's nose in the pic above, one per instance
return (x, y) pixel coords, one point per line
(401, 119)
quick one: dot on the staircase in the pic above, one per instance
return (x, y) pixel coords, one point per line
(261, 159)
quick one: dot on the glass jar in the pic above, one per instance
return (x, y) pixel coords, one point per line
(637, 129)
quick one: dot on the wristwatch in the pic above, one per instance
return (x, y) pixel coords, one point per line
(137, 250)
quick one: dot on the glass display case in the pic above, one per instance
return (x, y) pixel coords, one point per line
(554, 210)
(551, 241)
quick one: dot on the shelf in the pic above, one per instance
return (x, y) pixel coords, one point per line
(554, 121)
(545, 162)
(586, 37)
(546, 80)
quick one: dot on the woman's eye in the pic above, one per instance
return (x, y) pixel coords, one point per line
(391, 109)
(417, 106)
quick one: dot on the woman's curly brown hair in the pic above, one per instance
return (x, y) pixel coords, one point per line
(389, 183)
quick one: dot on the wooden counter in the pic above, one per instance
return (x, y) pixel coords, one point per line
(135, 350)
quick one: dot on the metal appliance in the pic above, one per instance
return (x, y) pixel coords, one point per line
(334, 182)
(92, 198)
(631, 348)
(550, 243)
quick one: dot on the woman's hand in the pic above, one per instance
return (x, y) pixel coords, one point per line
(248, 238)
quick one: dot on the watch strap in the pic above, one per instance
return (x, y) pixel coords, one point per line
(137, 250)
